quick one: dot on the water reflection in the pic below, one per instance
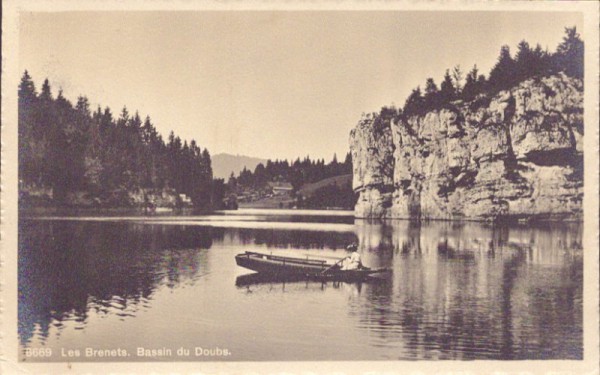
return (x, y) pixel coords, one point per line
(67, 269)
(457, 290)
(466, 291)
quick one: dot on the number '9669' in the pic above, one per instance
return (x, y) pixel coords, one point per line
(38, 352)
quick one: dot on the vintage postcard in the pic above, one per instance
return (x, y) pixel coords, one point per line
(299, 187)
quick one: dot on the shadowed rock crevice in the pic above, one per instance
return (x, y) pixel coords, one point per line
(518, 154)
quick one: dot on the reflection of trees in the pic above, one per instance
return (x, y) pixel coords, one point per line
(65, 265)
(467, 290)
(296, 239)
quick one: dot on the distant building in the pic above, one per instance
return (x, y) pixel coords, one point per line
(281, 188)
(185, 199)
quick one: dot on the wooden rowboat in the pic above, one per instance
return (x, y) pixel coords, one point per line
(280, 265)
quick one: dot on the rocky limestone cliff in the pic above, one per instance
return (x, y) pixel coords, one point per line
(516, 155)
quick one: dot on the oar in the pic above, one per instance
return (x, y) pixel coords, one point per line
(335, 264)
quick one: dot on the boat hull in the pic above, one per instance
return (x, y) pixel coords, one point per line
(276, 265)
(287, 266)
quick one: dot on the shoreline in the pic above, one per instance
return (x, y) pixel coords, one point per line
(74, 212)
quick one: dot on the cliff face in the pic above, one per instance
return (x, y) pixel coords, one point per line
(518, 155)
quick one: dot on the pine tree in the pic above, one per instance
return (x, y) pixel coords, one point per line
(92, 158)
(123, 118)
(431, 99)
(525, 62)
(447, 89)
(59, 127)
(474, 84)
(414, 104)
(502, 75)
(28, 171)
(457, 76)
(46, 93)
(106, 121)
(27, 93)
(570, 53)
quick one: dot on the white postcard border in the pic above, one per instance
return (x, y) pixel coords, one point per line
(8, 250)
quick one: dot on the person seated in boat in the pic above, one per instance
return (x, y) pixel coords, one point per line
(353, 262)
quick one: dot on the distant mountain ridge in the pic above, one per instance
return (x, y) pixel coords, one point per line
(223, 164)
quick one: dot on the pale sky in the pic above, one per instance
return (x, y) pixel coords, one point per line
(266, 84)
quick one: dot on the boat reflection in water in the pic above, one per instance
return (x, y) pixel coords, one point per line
(258, 278)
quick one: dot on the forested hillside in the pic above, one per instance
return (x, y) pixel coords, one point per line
(258, 184)
(71, 155)
(297, 173)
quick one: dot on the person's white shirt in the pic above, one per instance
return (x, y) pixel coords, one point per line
(353, 261)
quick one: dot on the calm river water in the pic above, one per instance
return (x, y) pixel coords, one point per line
(456, 290)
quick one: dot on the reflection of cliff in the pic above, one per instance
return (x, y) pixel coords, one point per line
(517, 155)
(472, 291)
(375, 242)
(66, 267)
(542, 243)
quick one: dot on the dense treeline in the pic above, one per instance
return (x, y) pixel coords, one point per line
(527, 63)
(68, 148)
(331, 195)
(298, 173)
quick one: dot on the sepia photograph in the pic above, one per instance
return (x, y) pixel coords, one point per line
(236, 187)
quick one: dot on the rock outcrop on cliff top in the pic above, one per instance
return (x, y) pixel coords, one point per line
(516, 155)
